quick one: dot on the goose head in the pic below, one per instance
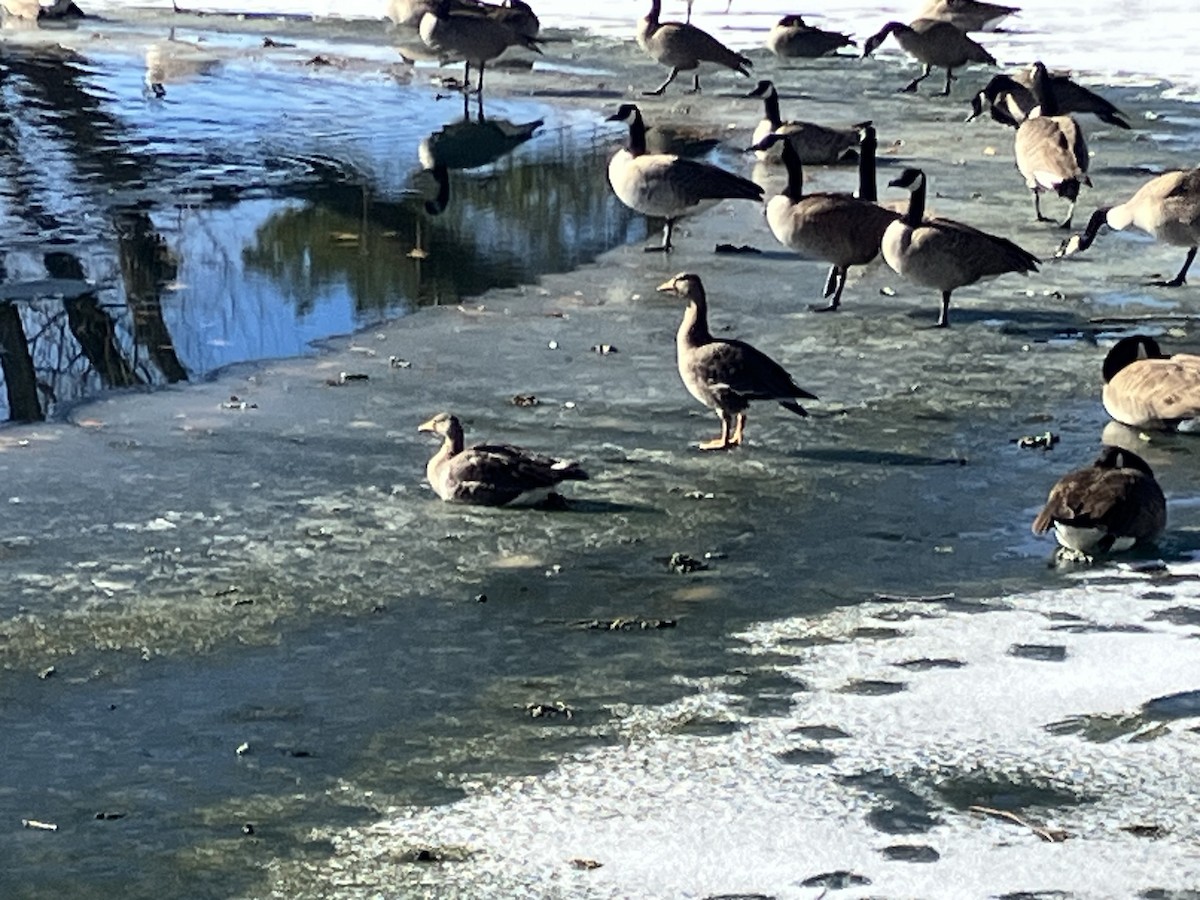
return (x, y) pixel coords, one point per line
(865, 130)
(873, 42)
(769, 141)
(1129, 350)
(763, 89)
(1118, 458)
(444, 425)
(686, 285)
(792, 21)
(909, 179)
(626, 112)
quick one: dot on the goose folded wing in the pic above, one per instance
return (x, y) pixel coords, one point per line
(701, 181)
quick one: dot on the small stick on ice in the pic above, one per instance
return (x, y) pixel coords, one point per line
(1051, 835)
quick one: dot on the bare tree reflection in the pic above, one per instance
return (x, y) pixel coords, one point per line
(147, 264)
(20, 379)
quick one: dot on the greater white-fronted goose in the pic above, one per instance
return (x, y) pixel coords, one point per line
(836, 228)
(815, 144)
(474, 38)
(968, 15)
(726, 375)
(682, 47)
(1112, 505)
(666, 185)
(933, 43)
(1146, 388)
(944, 254)
(1167, 207)
(491, 474)
(792, 38)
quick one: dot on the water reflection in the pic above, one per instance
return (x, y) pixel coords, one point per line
(145, 241)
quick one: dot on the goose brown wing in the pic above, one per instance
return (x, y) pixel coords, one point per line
(1124, 502)
(499, 473)
(1168, 390)
(748, 372)
(699, 181)
(988, 254)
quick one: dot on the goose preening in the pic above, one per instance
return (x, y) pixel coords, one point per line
(836, 228)
(968, 15)
(1167, 207)
(792, 38)
(665, 185)
(683, 47)
(1010, 99)
(942, 253)
(815, 144)
(933, 43)
(474, 38)
(491, 474)
(1146, 388)
(726, 375)
(1109, 506)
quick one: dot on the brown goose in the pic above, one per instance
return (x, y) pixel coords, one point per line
(933, 43)
(666, 185)
(1051, 150)
(792, 38)
(1109, 506)
(1010, 99)
(725, 375)
(1146, 388)
(816, 144)
(942, 253)
(969, 15)
(683, 47)
(475, 39)
(491, 474)
(837, 228)
(1167, 207)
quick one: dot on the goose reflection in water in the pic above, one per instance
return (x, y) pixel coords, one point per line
(468, 144)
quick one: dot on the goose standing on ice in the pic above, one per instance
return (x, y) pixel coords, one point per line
(815, 144)
(475, 39)
(933, 43)
(683, 47)
(665, 185)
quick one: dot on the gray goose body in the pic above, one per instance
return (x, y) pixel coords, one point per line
(1167, 207)
(726, 375)
(1146, 388)
(933, 43)
(666, 185)
(815, 144)
(792, 38)
(942, 253)
(1112, 505)
(475, 38)
(836, 228)
(491, 474)
(682, 47)
(967, 15)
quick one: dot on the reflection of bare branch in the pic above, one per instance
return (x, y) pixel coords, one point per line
(92, 326)
(146, 265)
(19, 377)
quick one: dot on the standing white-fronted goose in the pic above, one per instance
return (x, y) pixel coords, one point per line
(491, 474)
(474, 38)
(1109, 506)
(1010, 99)
(933, 43)
(1167, 207)
(1146, 388)
(836, 228)
(683, 47)
(942, 253)
(968, 15)
(726, 375)
(815, 144)
(792, 38)
(666, 185)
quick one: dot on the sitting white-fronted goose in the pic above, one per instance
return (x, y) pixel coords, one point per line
(666, 185)
(1010, 99)
(933, 43)
(1109, 506)
(942, 253)
(726, 375)
(474, 38)
(792, 38)
(836, 228)
(1167, 207)
(816, 145)
(491, 474)
(968, 15)
(683, 47)
(1146, 388)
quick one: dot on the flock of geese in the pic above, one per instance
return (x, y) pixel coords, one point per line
(1108, 506)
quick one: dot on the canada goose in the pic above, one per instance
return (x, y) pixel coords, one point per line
(791, 38)
(490, 474)
(665, 185)
(682, 47)
(469, 145)
(1146, 388)
(725, 375)
(475, 39)
(1167, 207)
(1108, 506)
(942, 253)
(1010, 99)
(969, 15)
(815, 144)
(837, 228)
(934, 43)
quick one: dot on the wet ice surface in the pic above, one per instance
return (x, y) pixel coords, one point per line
(203, 572)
